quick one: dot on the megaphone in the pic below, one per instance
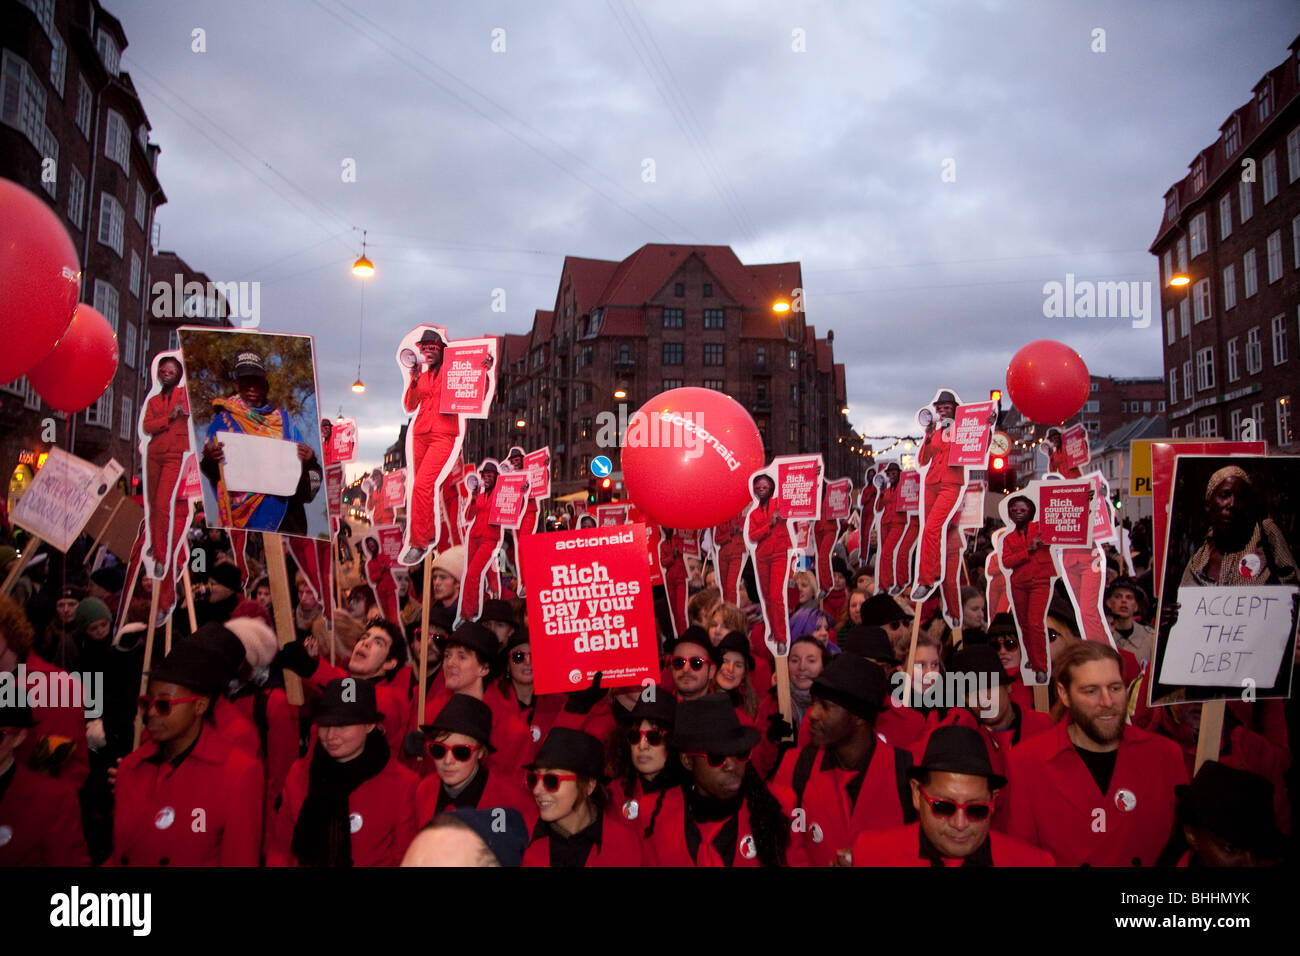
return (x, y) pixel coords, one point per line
(925, 417)
(408, 358)
(881, 481)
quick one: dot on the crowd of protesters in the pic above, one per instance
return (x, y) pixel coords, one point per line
(701, 769)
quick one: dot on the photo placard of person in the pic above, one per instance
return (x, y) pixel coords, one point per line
(255, 414)
(610, 516)
(334, 490)
(1083, 567)
(1074, 442)
(343, 439)
(590, 609)
(444, 383)
(1029, 573)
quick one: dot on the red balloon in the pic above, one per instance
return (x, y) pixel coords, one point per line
(1047, 381)
(81, 366)
(40, 277)
(687, 457)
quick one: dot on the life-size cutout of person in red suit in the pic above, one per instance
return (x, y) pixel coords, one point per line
(434, 440)
(892, 523)
(379, 572)
(515, 459)
(167, 423)
(1057, 459)
(1028, 562)
(825, 533)
(673, 563)
(483, 540)
(769, 534)
(729, 539)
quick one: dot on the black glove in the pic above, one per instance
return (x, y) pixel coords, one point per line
(294, 657)
(413, 744)
(581, 701)
(778, 728)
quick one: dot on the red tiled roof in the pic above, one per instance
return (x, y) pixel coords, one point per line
(589, 278)
(542, 322)
(824, 362)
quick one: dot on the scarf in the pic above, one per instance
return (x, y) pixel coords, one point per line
(322, 836)
(800, 701)
(1265, 559)
(267, 422)
(710, 809)
(983, 855)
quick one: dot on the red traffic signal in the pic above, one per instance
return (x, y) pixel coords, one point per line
(999, 463)
(995, 395)
(606, 483)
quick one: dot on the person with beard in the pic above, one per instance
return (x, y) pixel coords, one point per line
(954, 792)
(348, 803)
(644, 766)
(1094, 762)
(845, 779)
(167, 423)
(482, 542)
(249, 412)
(723, 815)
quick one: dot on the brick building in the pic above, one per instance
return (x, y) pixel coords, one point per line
(665, 317)
(1231, 234)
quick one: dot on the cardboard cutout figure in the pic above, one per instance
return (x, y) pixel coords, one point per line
(379, 575)
(673, 545)
(729, 557)
(537, 466)
(165, 446)
(445, 383)
(909, 503)
(785, 492)
(485, 535)
(867, 516)
(890, 521)
(1067, 451)
(339, 440)
(837, 502)
(1027, 567)
(1083, 567)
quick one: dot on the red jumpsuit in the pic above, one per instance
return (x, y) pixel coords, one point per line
(995, 598)
(1059, 462)
(379, 573)
(941, 543)
(673, 563)
(771, 563)
(434, 441)
(40, 821)
(901, 847)
(867, 512)
(484, 541)
(1031, 590)
(731, 558)
(892, 523)
(169, 440)
(1084, 571)
(825, 534)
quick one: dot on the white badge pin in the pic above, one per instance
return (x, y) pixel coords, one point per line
(536, 732)
(631, 809)
(815, 831)
(354, 822)
(747, 848)
(1126, 800)
(6, 834)
(164, 818)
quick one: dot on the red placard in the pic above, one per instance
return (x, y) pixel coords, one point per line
(972, 506)
(465, 386)
(798, 479)
(839, 500)
(1075, 442)
(191, 490)
(971, 431)
(395, 488)
(609, 516)
(1103, 518)
(1064, 516)
(537, 468)
(390, 540)
(690, 544)
(802, 535)
(909, 491)
(334, 490)
(508, 500)
(343, 439)
(590, 608)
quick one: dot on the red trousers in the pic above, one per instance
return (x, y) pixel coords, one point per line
(823, 544)
(449, 530)
(1029, 601)
(1083, 577)
(162, 472)
(890, 537)
(771, 574)
(431, 452)
(480, 551)
(903, 555)
(731, 562)
(386, 595)
(941, 504)
(678, 594)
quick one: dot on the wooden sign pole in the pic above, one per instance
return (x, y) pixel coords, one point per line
(189, 598)
(1042, 698)
(424, 634)
(146, 667)
(911, 652)
(167, 635)
(783, 689)
(29, 552)
(103, 530)
(1211, 733)
(281, 607)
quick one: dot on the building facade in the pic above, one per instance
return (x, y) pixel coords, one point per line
(1228, 253)
(667, 316)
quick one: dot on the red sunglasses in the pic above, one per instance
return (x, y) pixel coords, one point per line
(461, 752)
(947, 808)
(653, 737)
(550, 781)
(697, 663)
(717, 760)
(163, 705)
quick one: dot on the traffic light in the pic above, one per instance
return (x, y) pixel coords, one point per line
(591, 490)
(1000, 476)
(606, 492)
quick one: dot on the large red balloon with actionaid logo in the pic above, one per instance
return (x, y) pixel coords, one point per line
(40, 278)
(687, 457)
(1047, 381)
(81, 366)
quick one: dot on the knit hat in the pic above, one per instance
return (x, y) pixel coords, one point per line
(90, 610)
(257, 638)
(452, 561)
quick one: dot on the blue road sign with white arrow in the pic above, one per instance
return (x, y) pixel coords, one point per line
(601, 466)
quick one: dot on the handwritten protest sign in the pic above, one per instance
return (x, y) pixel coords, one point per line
(839, 500)
(1225, 636)
(465, 383)
(797, 480)
(590, 608)
(63, 496)
(508, 500)
(971, 432)
(1075, 442)
(1064, 516)
(909, 491)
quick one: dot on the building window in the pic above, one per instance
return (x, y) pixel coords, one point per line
(50, 150)
(586, 355)
(760, 358)
(129, 346)
(1245, 201)
(85, 102)
(624, 355)
(1187, 380)
(1200, 241)
(1279, 339)
(1123, 407)
(1092, 405)
(76, 197)
(105, 302)
(22, 96)
(1204, 300)
(1233, 371)
(708, 286)
(1160, 406)
(1274, 247)
(1169, 327)
(1231, 139)
(794, 360)
(1254, 351)
(135, 274)
(1257, 413)
(1169, 265)
(1185, 316)
(794, 395)
(760, 391)
(111, 221)
(1171, 206)
(670, 383)
(1229, 287)
(1180, 251)
(173, 341)
(1209, 426)
(1270, 177)
(1234, 424)
(117, 141)
(1225, 215)
(1198, 176)
(1248, 276)
(139, 204)
(679, 289)
(1146, 407)
(108, 52)
(794, 433)
(101, 413)
(674, 318)
(714, 318)
(1284, 434)
(717, 384)
(672, 353)
(1205, 369)
(1295, 240)
(1293, 155)
(58, 63)
(124, 420)
(713, 354)
(1264, 99)
(31, 400)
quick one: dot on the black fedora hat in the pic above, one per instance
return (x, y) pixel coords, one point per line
(198, 665)
(224, 643)
(567, 749)
(477, 638)
(853, 682)
(661, 707)
(980, 660)
(346, 701)
(431, 336)
(733, 641)
(1234, 804)
(463, 714)
(881, 609)
(709, 725)
(692, 635)
(956, 749)
(870, 642)
(1002, 625)
(495, 609)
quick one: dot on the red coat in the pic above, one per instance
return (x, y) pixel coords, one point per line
(68, 723)
(768, 538)
(167, 436)
(206, 812)
(1026, 566)
(1055, 803)
(832, 821)
(390, 696)
(1059, 462)
(618, 846)
(499, 791)
(425, 393)
(666, 844)
(901, 725)
(40, 822)
(381, 812)
(934, 452)
(281, 741)
(892, 517)
(900, 846)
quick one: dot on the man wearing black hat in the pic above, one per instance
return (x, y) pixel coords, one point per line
(347, 803)
(249, 412)
(1123, 600)
(498, 618)
(40, 820)
(953, 791)
(944, 485)
(1226, 816)
(846, 780)
(220, 594)
(898, 723)
(186, 797)
(690, 657)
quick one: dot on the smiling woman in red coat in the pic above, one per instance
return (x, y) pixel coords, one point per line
(574, 829)
(348, 803)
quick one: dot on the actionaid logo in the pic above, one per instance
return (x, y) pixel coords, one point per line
(683, 430)
(241, 302)
(1084, 299)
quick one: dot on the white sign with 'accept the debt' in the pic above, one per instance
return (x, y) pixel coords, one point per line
(1225, 636)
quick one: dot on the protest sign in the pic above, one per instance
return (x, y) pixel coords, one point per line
(1139, 463)
(1226, 636)
(536, 467)
(609, 516)
(1103, 518)
(802, 535)
(191, 489)
(690, 544)
(971, 431)
(343, 439)
(798, 482)
(394, 491)
(334, 490)
(590, 608)
(1065, 515)
(115, 524)
(467, 382)
(509, 501)
(839, 500)
(390, 540)
(909, 491)
(971, 515)
(1074, 441)
(62, 497)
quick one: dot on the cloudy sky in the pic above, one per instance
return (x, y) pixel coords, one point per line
(818, 132)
